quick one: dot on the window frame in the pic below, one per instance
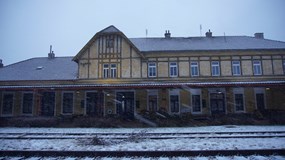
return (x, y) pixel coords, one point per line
(257, 67)
(23, 103)
(152, 69)
(215, 68)
(105, 70)
(13, 104)
(62, 102)
(239, 91)
(283, 64)
(236, 68)
(194, 67)
(196, 92)
(174, 93)
(113, 70)
(152, 93)
(173, 69)
(109, 42)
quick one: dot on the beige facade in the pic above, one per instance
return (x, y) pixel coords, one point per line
(116, 77)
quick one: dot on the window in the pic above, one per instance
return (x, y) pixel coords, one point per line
(236, 68)
(152, 70)
(215, 68)
(27, 104)
(113, 71)
(67, 103)
(109, 70)
(110, 43)
(173, 69)
(7, 107)
(257, 68)
(284, 66)
(239, 102)
(196, 103)
(106, 70)
(194, 69)
(174, 103)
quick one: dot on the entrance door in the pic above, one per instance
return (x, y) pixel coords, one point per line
(217, 102)
(260, 101)
(125, 104)
(91, 103)
(48, 104)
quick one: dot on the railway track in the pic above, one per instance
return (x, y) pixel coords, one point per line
(32, 153)
(267, 134)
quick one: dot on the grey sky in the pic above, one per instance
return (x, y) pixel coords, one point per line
(28, 27)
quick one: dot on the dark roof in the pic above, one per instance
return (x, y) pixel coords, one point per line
(58, 68)
(110, 29)
(205, 43)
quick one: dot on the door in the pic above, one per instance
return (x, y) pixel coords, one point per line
(48, 104)
(217, 101)
(91, 103)
(152, 103)
(260, 103)
(125, 104)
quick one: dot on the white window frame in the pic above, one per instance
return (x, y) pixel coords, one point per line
(13, 105)
(239, 91)
(215, 65)
(257, 67)
(194, 66)
(152, 69)
(236, 69)
(175, 92)
(22, 103)
(105, 70)
(173, 69)
(196, 92)
(73, 100)
(113, 72)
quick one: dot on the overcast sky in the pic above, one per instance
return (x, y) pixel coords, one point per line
(28, 27)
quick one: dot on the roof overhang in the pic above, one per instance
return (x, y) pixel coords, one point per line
(146, 85)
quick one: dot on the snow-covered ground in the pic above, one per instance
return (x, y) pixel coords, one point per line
(253, 157)
(144, 144)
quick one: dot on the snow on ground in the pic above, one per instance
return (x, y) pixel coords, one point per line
(227, 128)
(144, 144)
(254, 157)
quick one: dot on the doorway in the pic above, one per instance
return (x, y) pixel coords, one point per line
(125, 104)
(48, 104)
(217, 102)
(91, 103)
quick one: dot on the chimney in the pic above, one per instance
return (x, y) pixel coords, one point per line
(1, 64)
(259, 35)
(167, 34)
(51, 55)
(209, 34)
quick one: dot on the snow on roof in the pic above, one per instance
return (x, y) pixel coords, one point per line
(205, 43)
(44, 68)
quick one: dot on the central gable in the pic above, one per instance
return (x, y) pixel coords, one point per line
(108, 40)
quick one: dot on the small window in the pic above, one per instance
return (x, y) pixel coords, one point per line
(67, 103)
(173, 69)
(106, 70)
(27, 105)
(196, 103)
(113, 71)
(8, 103)
(174, 103)
(257, 68)
(194, 69)
(236, 68)
(215, 68)
(152, 70)
(110, 43)
(239, 102)
(284, 66)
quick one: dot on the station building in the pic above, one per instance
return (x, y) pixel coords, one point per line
(116, 75)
